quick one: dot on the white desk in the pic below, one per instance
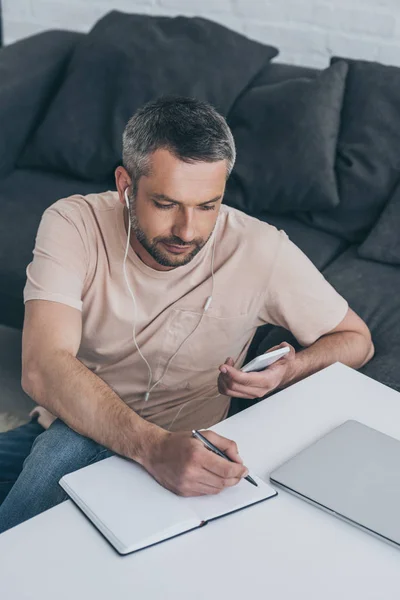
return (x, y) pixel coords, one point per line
(280, 549)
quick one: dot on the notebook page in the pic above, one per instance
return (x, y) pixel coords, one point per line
(129, 507)
(230, 499)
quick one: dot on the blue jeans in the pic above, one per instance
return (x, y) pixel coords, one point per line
(32, 461)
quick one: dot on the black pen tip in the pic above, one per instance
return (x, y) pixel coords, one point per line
(251, 480)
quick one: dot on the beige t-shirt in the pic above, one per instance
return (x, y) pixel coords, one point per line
(260, 277)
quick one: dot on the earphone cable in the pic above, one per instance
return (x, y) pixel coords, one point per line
(150, 387)
(134, 302)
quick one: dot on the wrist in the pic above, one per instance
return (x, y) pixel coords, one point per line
(149, 436)
(294, 370)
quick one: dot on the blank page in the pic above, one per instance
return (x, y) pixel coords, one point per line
(129, 507)
(133, 511)
(230, 499)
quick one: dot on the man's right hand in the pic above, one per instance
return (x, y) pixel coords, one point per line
(182, 464)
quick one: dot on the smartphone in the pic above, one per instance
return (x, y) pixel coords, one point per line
(265, 360)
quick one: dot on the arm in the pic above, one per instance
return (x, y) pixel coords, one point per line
(56, 379)
(349, 343)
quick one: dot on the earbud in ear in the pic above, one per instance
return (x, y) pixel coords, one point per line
(126, 198)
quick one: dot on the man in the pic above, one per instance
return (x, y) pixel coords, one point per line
(126, 342)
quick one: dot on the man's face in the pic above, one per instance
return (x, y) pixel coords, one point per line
(175, 209)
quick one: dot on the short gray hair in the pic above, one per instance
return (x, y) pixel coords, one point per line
(192, 130)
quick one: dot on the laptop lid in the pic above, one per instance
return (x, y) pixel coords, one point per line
(353, 472)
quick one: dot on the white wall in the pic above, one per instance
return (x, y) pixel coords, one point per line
(307, 32)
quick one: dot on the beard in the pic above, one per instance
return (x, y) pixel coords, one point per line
(154, 245)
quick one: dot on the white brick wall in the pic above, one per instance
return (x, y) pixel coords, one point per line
(307, 32)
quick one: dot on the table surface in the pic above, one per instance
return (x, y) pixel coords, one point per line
(284, 547)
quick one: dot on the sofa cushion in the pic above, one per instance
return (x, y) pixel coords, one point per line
(14, 403)
(383, 242)
(373, 290)
(286, 136)
(275, 72)
(30, 73)
(24, 196)
(125, 61)
(368, 157)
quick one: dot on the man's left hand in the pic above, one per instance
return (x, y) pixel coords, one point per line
(233, 382)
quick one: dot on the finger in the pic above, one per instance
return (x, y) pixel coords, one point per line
(250, 393)
(229, 447)
(265, 378)
(211, 461)
(209, 478)
(237, 390)
(223, 468)
(226, 391)
(278, 346)
(225, 482)
(269, 383)
(232, 375)
(229, 361)
(288, 356)
(272, 349)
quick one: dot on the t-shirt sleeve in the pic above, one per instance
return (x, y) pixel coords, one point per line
(299, 298)
(60, 259)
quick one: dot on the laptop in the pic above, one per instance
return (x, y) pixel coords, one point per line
(352, 472)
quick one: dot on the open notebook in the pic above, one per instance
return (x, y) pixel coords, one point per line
(133, 511)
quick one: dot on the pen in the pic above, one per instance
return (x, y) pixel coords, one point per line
(213, 448)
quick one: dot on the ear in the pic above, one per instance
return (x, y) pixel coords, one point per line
(122, 181)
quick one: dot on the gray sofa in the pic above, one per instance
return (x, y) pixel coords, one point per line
(15, 405)
(317, 154)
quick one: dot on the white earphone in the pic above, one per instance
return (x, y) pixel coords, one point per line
(151, 386)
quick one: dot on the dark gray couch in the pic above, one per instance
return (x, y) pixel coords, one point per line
(317, 152)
